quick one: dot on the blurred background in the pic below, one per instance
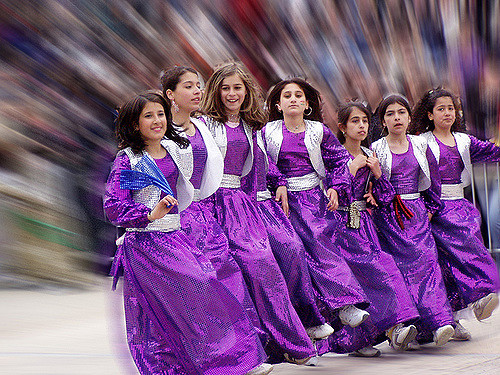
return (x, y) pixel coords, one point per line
(66, 65)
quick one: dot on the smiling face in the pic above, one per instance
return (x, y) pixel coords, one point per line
(293, 101)
(396, 118)
(356, 126)
(152, 123)
(444, 113)
(232, 93)
(187, 93)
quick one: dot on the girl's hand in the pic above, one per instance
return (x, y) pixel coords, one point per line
(369, 196)
(430, 215)
(333, 199)
(374, 165)
(358, 162)
(282, 196)
(163, 207)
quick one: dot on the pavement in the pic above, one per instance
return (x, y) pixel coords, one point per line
(54, 330)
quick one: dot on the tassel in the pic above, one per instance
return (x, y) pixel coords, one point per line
(399, 205)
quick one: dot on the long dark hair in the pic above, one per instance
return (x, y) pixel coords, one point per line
(386, 102)
(127, 122)
(312, 95)
(421, 121)
(251, 111)
(170, 78)
(345, 111)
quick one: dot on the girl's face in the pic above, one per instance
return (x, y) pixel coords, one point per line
(293, 101)
(152, 123)
(444, 113)
(396, 118)
(356, 126)
(232, 94)
(187, 93)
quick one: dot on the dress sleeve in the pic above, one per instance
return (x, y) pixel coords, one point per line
(383, 192)
(432, 195)
(119, 206)
(335, 158)
(483, 151)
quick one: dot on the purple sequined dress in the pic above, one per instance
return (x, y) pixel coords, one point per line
(470, 272)
(203, 230)
(180, 319)
(333, 281)
(249, 245)
(287, 246)
(376, 271)
(413, 248)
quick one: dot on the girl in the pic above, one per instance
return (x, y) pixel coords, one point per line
(204, 165)
(305, 151)
(180, 319)
(231, 103)
(390, 302)
(470, 272)
(403, 226)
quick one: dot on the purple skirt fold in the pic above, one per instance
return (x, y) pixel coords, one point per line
(205, 233)
(179, 317)
(289, 252)
(470, 272)
(414, 251)
(333, 281)
(249, 245)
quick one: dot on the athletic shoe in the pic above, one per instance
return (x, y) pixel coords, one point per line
(262, 369)
(320, 332)
(367, 351)
(413, 345)
(296, 361)
(461, 333)
(483, 308)
(352, 316)
(313, 361)
(401, 336)
(443, 334)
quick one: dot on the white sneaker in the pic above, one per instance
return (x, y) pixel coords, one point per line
(367, 351)
(401, 336)
(313, 361)
(443, 334)
(413, 345)
(262, 369)
(352, 316)
(319, 332)
(461, 333)
(483, 308)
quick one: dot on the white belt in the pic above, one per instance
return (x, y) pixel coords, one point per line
(302, 183)
(263, 195)
(167, 223)
(230, 181)
(196, 195)
(451, 192)
(410, 196)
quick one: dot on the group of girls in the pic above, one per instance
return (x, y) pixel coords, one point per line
(254, 237)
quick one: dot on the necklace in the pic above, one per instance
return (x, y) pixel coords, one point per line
(297, 127)
(233, 118)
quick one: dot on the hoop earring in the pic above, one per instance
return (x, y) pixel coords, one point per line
(278, 107)
(175, 106)
(310, 111)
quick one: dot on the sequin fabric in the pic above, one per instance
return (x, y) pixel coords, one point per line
(470, 272)
(249, 245)
(180, 319)
(413, 248)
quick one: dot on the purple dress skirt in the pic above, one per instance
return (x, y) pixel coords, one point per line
(287, 248)
(413, 248)
(180, 319)
(334, 283)
(205, 233)
(470, 272)
(249, 245)
(376, 271)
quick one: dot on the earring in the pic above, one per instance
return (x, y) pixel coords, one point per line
(310, 111)
(278, 107)
(175, 106)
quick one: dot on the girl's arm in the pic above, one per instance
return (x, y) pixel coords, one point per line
(119, 206)
(483, 151)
